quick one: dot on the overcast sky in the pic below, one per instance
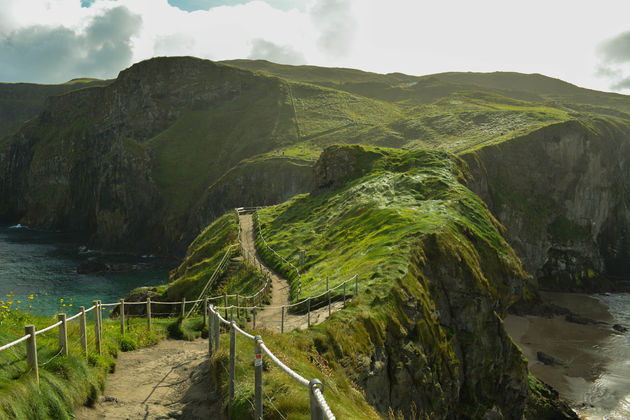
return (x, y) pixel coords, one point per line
(584, 42)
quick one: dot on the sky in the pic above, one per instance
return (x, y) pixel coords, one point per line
(583, 42)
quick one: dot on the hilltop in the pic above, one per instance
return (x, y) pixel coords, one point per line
(145, 162)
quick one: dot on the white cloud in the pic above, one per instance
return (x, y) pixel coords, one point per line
(558, 38)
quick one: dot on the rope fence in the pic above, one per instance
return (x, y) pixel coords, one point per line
(319, 408)
(246, 306)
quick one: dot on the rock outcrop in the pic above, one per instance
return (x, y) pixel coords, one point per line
(128, 162)
(562, 194)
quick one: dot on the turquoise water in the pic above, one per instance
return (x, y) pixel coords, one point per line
(43, 265)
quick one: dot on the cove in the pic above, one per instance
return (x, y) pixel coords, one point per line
(38, 273)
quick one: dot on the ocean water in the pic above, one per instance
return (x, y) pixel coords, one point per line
(38, 270)
(608, 397)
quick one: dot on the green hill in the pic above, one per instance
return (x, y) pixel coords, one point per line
(20, 102)
(435, 279)
(151, 155)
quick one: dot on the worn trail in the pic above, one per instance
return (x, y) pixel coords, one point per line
(170, 380)
(271, 317)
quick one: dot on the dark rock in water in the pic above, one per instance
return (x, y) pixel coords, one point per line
(620, 328)
(549, 360)
(92, 265)
(539, 308)
(576, 319)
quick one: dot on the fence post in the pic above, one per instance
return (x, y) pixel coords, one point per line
(83, 323)
(205, 311)
(210, 336)
(149, 313)
(329, 308)
(63, 334)
(344, 294)
(231, 313)
(183, 314)
(232, 360)
(238, 312)
(97, 326)
(282, 322)
(217, 331)
(308, 308)
(316, 411)
(326, 283)
(258, 383)
(356, 285)
(254, 318)
(225, 305)
(122, 316)
(31, 351)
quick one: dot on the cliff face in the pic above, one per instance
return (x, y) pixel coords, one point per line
(127, 162)
(258, 182)
(562, 194)
(435, 279)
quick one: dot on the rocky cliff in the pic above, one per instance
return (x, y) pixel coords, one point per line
(126, 162)
(562, 194)
(425, 335)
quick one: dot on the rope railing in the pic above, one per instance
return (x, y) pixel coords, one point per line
(284, 260)
(318, 406)
(318, 403)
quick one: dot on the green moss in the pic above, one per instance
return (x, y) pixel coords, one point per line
(65, 381)
(565, 230)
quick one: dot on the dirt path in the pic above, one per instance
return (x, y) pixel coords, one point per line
(167, 381)
(271, 318)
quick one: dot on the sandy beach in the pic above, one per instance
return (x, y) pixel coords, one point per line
(587, 357)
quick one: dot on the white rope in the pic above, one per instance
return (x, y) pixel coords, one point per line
(18, 341)
(104, 305)
(243, 333)
(48, 328)
(284, 367)
(88, 310)
(322, 403)
(73, 317)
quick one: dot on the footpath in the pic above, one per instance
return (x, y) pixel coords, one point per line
(270, 317)
(170, 380)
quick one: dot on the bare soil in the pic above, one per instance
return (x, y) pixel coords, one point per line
(170, 380)
(271, 317)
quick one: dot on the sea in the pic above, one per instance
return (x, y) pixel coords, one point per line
(608, 396)
(38, 273)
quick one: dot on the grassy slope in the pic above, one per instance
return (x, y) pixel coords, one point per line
(65, 382)
(20, 102)
(395, 226)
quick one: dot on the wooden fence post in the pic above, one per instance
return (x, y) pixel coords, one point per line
(63, 335)
(183, 314)
(149, 313)
(97, 326)
(122, 316)
(217, 331)
(31, 351)
(211, 336)
(238, 312)
(329, 302)
(83, 324)
(232, 360)
(316, 411)
(308, 308)
(258, 382)
(225, 303)
(254, 318)
(205, 311)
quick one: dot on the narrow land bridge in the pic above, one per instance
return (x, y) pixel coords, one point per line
(167, 380)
